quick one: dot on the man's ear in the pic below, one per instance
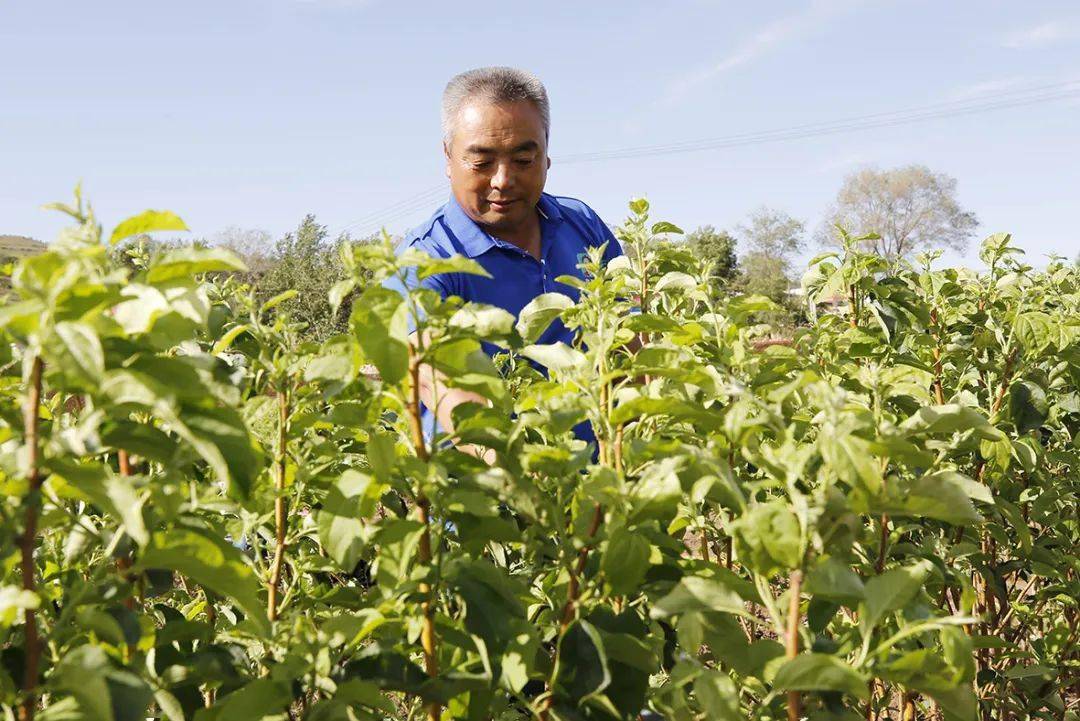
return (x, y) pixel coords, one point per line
(446, 154)
(549, 162)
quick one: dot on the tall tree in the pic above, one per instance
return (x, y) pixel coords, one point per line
(718, 248)
(771, 239)
(911, 208)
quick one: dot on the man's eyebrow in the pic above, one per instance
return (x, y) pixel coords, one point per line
(484, 150)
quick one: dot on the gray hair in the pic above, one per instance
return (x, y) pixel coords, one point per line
(493, 85)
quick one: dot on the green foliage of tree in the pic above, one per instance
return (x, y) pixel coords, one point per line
(208, 515)
(718, 249)
(770, 240)
(308, 262)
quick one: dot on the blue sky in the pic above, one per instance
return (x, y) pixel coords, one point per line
(251, 114)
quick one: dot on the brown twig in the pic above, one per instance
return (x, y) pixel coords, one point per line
(1006, 376)
(428, 638)
(879, 565)
(31, 417)
(908, 713)
(572, 592)
(124, 563)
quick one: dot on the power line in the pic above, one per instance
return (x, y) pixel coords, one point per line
(959, 104)
(796, 133)
(393, 210)
(936, 111)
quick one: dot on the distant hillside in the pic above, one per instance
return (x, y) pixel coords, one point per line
(19, 246)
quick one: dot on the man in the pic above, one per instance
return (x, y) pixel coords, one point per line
(496, 124)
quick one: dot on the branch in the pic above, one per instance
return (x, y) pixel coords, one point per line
(31, 416)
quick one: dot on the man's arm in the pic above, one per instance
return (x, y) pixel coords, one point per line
(442, 400)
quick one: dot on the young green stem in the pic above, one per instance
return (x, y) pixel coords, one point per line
(31, 416)
(853, 319)
(939, 389)
(280, 509)
(794, 700)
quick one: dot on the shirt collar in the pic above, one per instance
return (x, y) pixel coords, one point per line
(473, 238)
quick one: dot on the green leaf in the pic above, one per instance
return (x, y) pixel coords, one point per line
(147, 221)
(718, 696)
(891, 591)
(102, 692)
(348, 694)
(1035, 330)
(539, 313)
(820, 672)
(210, 561)
(958, 704)
(278, 300)
(222, 344)
(695, 593)
(262, 698)
(493, 607)
(833, 580)
(429, 266)
(185, 263)
(852, 460)
(13, 600)
(487, 322)
(557, 357)
(657, 492)
(581, 667)
(380, 325)
(625, 560)
(339, 292)
(113, 494)
(1028, 406)
(950, 418)
(342, 529)
(943, 496)
(665, 227)
(674, 408)
(74, 350)
(767, 538)
(220, 437)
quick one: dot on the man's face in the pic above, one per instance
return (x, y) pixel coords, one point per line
(497, 163)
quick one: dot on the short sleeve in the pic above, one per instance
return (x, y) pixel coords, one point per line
(604, 235)
(438, 283)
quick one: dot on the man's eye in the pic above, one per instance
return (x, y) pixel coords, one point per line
(479, 164)
(524, 161)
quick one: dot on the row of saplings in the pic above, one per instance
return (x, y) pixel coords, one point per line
(206, 516)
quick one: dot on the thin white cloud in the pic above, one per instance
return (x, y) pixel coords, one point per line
(1047, 33)
(760, 43)
(988, 87)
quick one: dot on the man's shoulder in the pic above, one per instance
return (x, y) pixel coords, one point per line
(573, 207)
(580, 215)
(430, 236)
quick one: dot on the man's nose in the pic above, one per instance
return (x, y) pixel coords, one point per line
(503, 177)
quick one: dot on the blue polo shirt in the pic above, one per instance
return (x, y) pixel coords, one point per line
(568, 228)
